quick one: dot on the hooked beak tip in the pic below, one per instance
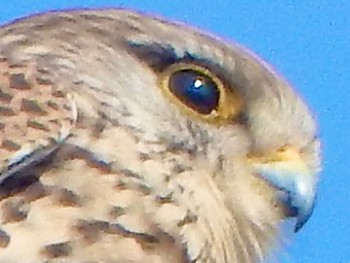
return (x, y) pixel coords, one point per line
(304, 213)
(295, 183)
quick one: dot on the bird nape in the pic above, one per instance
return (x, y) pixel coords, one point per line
(127, 138)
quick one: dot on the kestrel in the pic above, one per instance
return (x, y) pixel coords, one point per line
(126, 138)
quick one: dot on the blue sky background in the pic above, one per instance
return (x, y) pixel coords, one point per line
(309, 43)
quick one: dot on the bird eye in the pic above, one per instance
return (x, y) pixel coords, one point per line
(195, 89)
(198, 91)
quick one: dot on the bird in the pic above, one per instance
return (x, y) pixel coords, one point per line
(127, 138)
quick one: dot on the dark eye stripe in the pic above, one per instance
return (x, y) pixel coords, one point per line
(195, 89)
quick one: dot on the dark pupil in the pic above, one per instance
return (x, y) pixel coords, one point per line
(196, 90)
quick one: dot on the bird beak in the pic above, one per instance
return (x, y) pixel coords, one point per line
(296, 183)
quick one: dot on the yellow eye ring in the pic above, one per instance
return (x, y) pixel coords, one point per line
(200, 93)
